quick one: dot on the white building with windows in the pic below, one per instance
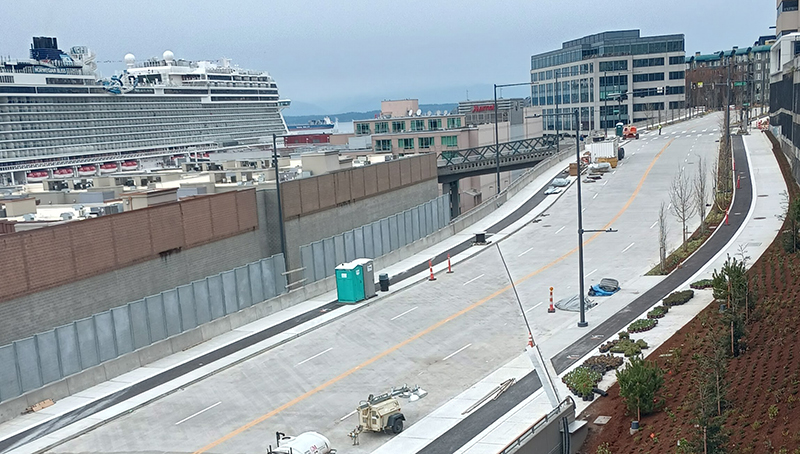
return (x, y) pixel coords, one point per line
(615, 76)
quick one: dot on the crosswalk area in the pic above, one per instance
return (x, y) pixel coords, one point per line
(683, 134)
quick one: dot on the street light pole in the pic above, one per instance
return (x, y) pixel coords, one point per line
(496, 140)
(557, 116)
(280, 201)
(582, 323)
(605, 101)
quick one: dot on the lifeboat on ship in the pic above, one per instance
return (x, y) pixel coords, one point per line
(64, 172)
(129, 165)
(87, 171)
(108, 168)
(36, 176)
(206, 155)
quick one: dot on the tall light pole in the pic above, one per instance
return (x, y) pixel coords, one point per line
(497, 128)
(280, 201)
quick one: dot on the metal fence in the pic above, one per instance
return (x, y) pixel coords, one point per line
(33, 362)
(374, 240)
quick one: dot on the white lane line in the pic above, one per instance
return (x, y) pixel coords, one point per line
(683, 132)
(654, 224)
(347, 415)
(534, 307)
(476, 278)
(456, 352)
(605, 182)
(612, 173)
(198, 413)
(404, 313)
(629, 246)
(318, 354)
(694, 131)
(594, 196)
(591, 272)
(559, 230)
(669, 206)
(705, 130)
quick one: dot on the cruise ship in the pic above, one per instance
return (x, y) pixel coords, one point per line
(59, 120)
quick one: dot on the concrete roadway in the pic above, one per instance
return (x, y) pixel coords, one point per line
(444, 335)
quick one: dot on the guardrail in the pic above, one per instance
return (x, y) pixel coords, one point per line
(537, 426)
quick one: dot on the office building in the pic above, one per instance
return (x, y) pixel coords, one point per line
(616, 76)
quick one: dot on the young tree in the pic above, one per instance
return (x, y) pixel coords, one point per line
(701, 192)
(662, 236)
(680, 195)
(639, 383)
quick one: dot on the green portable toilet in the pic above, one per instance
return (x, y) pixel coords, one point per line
(620, 127)
(350, 282)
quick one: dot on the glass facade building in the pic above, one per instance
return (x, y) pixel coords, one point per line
(611, 77)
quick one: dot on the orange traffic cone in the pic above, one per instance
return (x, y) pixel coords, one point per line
(530, 340)
(551, 309)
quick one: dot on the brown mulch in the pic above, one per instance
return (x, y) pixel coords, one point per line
(765, 378)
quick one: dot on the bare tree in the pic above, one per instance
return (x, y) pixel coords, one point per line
(662, 236)
(680, 196)
(701, 192)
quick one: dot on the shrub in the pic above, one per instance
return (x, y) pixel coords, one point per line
(658, 312)
(678, 298)
(701, 284)
(603, 363)
(643, 324)
(582, 380)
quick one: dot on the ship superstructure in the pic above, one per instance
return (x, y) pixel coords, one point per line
(56, 114)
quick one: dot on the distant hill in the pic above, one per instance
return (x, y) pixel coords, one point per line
(350, 116)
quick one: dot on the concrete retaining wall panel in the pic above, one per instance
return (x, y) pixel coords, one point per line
(202, 306)
(350, 246)
(319, 260)
(68, 351)
(187, 307)
(330, 256)
(256, 286)
(268, 280)
(87, 343)
(104, 327)
(155, 318)
(360, 242)
(216, 296)
(229, 292)
(243, 287)
(9, 382)
(28, 364)
(47, 349)
(123, 337)
(338, 249)
(139, 327)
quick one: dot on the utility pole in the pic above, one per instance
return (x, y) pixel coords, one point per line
(280, 200)
(605, 101)
(728, 105)
(497, 140)
(558, 139)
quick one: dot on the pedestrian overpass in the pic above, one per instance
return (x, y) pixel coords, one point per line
(454, 165)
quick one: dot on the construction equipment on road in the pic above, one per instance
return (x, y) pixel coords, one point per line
(305, 443)
(381, 413)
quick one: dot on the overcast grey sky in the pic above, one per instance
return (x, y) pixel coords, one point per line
(348, 55)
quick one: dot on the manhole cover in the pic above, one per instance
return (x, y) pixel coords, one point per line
(759, 218)
(547, 225)
(602, 420)
(764, 195)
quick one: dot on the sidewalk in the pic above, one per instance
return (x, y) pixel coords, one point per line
(760, 227)
(81, 412)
